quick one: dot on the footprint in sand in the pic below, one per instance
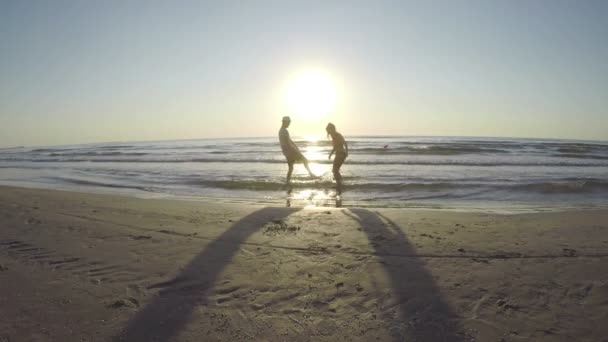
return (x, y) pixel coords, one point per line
(140, 237)
(91, 270)
(279, 226)
(222, 300)
(121, 303)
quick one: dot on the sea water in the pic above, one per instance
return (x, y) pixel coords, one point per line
(380, 171)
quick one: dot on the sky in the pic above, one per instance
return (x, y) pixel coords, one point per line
(99, 71)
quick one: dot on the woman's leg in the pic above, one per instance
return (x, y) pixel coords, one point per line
(338, 161)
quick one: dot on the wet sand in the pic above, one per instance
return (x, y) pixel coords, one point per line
(89, 267)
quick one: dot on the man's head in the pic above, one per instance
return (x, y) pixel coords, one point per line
(286, 121)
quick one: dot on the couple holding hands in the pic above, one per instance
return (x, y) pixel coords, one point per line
(293, 155)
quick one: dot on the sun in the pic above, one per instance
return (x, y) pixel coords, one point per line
(311, 94)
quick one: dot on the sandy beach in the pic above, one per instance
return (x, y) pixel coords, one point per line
(89, 267)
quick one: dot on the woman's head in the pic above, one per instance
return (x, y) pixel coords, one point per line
(330, 128)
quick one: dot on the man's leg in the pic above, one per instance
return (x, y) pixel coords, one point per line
(289, 171)
(305, 162)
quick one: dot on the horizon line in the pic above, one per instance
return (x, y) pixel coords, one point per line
(300, 136)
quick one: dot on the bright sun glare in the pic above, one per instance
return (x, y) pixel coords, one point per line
(311, 95)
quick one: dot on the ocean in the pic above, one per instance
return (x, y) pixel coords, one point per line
(381, 171)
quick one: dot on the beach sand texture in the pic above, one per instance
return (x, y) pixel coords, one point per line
(90, 267)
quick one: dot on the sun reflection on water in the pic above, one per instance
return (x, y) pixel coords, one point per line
(321, 192)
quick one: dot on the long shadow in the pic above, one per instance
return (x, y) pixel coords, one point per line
(168, 313)
(426, 315)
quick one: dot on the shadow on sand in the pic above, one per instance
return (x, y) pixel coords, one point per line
(425, 316)
(167, 314)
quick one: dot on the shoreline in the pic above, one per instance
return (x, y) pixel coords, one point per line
(82, 266)
(506, 208)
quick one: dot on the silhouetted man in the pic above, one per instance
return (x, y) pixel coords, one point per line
(290, 150)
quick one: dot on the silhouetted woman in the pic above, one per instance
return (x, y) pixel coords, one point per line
(341, 149)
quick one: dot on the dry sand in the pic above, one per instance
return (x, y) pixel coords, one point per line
(87, 267)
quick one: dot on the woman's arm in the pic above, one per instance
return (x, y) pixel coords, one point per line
(345, 146)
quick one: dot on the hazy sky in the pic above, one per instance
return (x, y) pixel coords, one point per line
(92, 71)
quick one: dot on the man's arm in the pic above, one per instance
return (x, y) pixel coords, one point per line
(293, 145)
(290, 142)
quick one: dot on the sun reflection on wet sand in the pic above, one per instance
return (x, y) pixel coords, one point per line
(311, 198)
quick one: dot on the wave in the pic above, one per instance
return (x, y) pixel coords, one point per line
(100, 184)
(258, 185)
(581, 156)
(52, 149)
(564, 187)
(116, 146)
(97, 154)
(453, 188)
(430, 150)
(574, 149)
(580, 186)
